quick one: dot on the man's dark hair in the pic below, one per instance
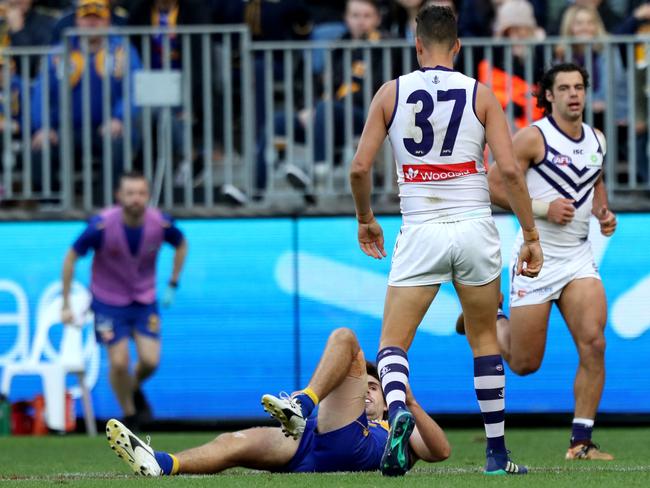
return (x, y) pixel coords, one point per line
(371, 370)
(548, 79)
(132, 175)
(436, 25)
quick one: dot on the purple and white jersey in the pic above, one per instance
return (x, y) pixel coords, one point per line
(570, 169)
(438, 143)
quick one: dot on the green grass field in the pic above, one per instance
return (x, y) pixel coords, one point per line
(88, 462)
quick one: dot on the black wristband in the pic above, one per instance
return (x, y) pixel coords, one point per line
(173, 284)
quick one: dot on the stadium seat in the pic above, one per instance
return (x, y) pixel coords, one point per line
(53, 366)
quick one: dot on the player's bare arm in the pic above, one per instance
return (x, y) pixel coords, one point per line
(606, 218)
(68, 272)
(370, 233)
(529, 148)
(179, 260)
(428, 441)
(498, 138)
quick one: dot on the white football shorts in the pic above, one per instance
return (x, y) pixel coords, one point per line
(466, 251)
(561, 266)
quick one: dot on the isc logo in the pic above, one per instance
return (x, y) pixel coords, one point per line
(577, 151)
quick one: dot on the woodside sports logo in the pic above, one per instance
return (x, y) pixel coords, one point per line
(427, 173)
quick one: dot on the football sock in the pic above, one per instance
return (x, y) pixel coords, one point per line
(167, 462)
(308, 400)
(393, 367)
(489, 383)
(581, 430)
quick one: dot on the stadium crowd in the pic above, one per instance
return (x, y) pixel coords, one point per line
(26, 23)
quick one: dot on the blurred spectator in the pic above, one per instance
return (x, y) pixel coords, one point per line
(167, 13)
(22, 26)
(477, 17)
(9, 121)
(172, 13)
(584, 23)
(90, 14)
(515, 21)
(268, 20)
(67, 20)
(362, 19)
(610, 18)
(323, 11)
(639, 23)
(25, 26)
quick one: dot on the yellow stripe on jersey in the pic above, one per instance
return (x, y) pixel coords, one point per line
(379, 423)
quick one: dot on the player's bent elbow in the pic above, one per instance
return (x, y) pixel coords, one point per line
(358, 170)
(510, 174)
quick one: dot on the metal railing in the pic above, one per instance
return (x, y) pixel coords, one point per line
(211, 117)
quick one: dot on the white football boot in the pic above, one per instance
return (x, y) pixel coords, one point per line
(287, 411)
(138, 455)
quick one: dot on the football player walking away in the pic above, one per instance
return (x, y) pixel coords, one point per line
(438, 121)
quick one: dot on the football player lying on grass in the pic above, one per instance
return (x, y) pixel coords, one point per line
(348, 432)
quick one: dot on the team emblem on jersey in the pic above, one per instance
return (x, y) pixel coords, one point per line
(436, 80)
(595, 161)
(431, 173)
(411, 174)
(562, 160)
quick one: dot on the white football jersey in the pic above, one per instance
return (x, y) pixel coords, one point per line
(570, 169)
(438, 144)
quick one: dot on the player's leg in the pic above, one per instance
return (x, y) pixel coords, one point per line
(526, 336)
(479, 303)
(120, 377)
(147, 344)
(257, 448)
(336, 363)
(584, 308)
(345, 402)
(404, 309)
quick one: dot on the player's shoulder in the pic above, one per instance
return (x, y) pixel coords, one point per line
(531, 134)
(166, 220)
(388, 89)
(96, 222)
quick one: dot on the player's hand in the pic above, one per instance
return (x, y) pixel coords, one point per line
(607, 220)
(561, 211)
(67, 316)
(371, 239)
(169, 296)
(531, 258)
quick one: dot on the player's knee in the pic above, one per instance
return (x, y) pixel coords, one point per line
(524, 366)
(594, 347)
(343, 335)
(148, 365)
(444, 452)
(120, 367)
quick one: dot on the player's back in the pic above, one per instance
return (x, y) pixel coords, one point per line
(438, 144)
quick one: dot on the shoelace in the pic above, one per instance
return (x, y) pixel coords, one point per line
(148, 439)
(289, 399)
